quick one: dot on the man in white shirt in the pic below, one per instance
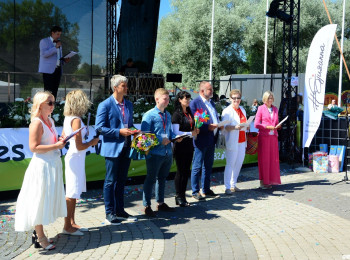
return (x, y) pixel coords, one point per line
(50, 63)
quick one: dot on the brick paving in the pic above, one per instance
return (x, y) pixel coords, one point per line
(304, 218)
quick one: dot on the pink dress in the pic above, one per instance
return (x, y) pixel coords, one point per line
(268, 154)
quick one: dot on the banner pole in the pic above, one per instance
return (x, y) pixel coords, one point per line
(211, 43)
(336, 38)
(341, 58)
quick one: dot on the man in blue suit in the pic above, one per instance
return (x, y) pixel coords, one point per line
(113, 121)
(204, 144)
(51, 60)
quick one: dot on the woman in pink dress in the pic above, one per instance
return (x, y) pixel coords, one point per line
(266, 120)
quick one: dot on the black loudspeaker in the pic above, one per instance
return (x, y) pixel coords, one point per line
(172, 77)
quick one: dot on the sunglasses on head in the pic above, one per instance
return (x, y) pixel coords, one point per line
(50, 103)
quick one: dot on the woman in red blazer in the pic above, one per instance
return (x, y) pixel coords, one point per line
(266, 120)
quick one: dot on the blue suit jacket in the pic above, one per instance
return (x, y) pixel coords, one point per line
(108, 123)
(205, 137)
(48, 56)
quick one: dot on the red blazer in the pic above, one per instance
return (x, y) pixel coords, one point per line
(263, 119)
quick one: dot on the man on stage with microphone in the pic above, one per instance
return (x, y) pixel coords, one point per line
(51, 60)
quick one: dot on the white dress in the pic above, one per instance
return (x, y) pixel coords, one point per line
(74, 162)
(41, 199)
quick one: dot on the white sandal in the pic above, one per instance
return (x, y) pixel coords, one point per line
(44, 239)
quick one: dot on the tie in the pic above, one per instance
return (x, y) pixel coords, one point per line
(122, 109)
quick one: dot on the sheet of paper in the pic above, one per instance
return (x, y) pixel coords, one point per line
(87, 127)
(88, 121)
(73, 134)
(181, 136)
(247, 124)
(70, 54)
(223, 123)
(284, 119)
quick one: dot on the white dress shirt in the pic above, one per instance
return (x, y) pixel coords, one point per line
(58, 62)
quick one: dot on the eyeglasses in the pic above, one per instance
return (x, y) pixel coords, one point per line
(50, 103)
(236, 98)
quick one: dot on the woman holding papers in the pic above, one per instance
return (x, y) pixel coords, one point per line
(183, 123)
(41, 200)
(266, 121)
(77, 105)
(236, 141)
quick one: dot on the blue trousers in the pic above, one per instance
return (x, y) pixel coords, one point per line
(158, 168)
(116, 175)
(203, 160)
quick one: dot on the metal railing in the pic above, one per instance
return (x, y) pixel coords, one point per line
(25, 84)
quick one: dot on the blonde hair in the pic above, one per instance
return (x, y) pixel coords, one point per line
(266, 95)
(235, 92)
(77, 103)
(39, 98)
(160, 91)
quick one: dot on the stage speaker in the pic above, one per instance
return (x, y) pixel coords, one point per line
(172, 77)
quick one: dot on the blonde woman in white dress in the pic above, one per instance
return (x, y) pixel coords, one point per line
(77, 105)
(41, 199)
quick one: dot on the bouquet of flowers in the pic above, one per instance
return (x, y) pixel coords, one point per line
(200, 117)
(144, 142)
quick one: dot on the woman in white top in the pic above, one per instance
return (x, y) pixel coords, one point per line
(77, 105)
(236, 142)
(41, 199)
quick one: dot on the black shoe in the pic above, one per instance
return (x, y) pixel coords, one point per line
(112, 220)
(197, 196)
(34, 237)
(164, 207)
(210, 194)
(125, 216)
(149, 212)
(181, 201)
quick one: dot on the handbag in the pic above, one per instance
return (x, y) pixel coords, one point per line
(252, 143)
(221, 142)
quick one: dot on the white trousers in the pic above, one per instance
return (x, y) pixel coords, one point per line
(234, 161)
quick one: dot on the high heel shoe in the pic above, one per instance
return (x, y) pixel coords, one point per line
(37, 244)
(35, 237)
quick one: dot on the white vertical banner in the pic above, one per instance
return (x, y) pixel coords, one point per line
(315, 81)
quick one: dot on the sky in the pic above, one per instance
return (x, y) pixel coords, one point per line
(165, 8)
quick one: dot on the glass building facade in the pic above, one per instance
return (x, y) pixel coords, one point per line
(23, 23)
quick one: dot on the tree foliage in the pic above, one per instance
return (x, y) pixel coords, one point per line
(183, 44)
(21, 28)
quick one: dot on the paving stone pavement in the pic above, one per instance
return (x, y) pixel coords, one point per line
(304, 218)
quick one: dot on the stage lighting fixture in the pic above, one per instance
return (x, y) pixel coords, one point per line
(275, 12)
